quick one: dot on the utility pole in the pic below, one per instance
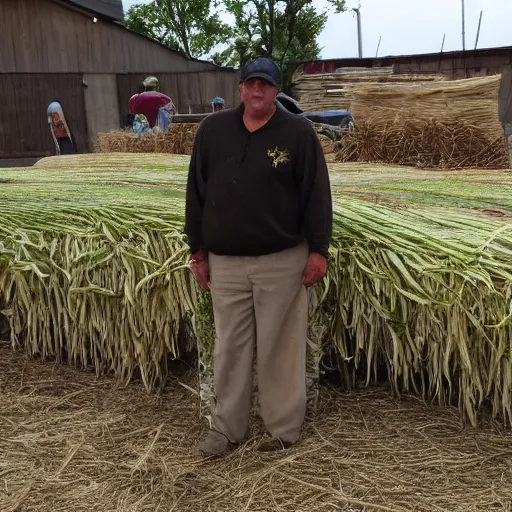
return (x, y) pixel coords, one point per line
(357, 10)
(441, 54)
(463, 27)
(478, 31)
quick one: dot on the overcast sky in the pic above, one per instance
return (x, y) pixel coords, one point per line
(412, 26)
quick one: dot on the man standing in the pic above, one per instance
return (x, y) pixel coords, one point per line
(258, 220)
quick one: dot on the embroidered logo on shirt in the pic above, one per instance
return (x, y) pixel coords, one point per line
(278, 156)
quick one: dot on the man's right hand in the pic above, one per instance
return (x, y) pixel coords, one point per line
(201, 270)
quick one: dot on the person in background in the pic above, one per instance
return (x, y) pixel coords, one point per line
(218, 104)
(59, 130)
(258, 221)
(131, 114)
(149, 102)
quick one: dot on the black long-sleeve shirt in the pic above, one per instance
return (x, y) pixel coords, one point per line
(250, 194)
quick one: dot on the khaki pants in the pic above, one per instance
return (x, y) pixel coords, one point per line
(260, 300)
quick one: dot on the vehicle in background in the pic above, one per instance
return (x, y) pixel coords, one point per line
(332, 123)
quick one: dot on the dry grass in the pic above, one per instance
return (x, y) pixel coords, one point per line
(325, 91)
(473, 101)
(74, 443)
(178, 140)
(425, 144)
(406, 120)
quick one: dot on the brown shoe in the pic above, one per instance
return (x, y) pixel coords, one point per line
(215, 443)
(273, 445)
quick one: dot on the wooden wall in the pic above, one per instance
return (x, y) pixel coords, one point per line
(53, 51)
(24, 130)
(48, 36)
(505, 106)
(101, 105)
(454, 65)
(185, 89)
(92, 103)
(505, 100)
(457, 65)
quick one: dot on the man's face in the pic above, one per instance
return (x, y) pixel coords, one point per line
(258, 95)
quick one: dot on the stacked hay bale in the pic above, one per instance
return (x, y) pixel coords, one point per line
(178, 140)
(414, 121)
(336, 91)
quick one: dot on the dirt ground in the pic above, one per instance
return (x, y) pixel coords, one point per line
(71, 443)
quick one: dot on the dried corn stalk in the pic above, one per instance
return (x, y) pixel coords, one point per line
(93, 271)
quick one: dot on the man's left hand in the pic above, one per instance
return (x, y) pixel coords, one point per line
(316, 268)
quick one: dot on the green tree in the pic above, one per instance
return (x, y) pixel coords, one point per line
(283, 30)
(191, 26)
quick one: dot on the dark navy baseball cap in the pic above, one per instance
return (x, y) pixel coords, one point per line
(263, 68)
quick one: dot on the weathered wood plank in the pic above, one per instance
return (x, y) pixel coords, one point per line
(48, 36)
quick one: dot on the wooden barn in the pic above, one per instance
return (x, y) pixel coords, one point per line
(78, 52)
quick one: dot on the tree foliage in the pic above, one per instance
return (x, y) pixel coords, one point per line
(283, 30)
(191, 26)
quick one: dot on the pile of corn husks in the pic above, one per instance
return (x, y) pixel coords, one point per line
(93, 270)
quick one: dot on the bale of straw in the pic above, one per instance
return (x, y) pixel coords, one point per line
(473, 101)
(113, 142)
(178, 139)
(410, 121)
(337, 90)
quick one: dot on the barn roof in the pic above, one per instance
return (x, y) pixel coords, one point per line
(111, 8)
